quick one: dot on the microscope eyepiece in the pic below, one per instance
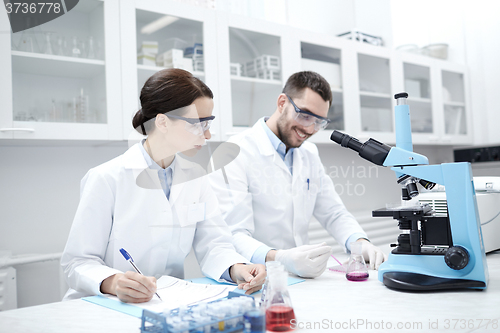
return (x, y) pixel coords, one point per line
(346, 141)
(371, 150)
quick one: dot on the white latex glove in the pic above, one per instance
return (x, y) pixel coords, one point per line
(372, 254)
(307, 261)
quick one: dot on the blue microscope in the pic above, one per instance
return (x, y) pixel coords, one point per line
(435, 251)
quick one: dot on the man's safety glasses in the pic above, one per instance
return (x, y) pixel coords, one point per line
(306, 118)
(197, 126)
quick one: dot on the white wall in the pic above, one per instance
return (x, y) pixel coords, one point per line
(427, 22)
(482, 53)
(471, 29)
(323, 16)
(40, 193)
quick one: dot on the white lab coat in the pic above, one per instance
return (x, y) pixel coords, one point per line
(264, 204)
(114, 212)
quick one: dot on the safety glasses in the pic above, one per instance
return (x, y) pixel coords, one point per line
(306, 118)
(197, 126)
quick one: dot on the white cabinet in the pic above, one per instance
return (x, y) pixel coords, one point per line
(61, 80)
(438, 99)
(172, 25)
(264, 55)
(370, 76)
(52, 94)
(324, 54)
(455, 104)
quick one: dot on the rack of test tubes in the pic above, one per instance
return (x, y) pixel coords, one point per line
(221, 316)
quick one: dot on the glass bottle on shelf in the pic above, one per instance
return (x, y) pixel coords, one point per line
(81, 107)
(75, 50)
(28, 42)
(61, 46)
(279, 310)
(83, 48)
(91, 54)
(13, 42)
(48, 43)
(53, 111)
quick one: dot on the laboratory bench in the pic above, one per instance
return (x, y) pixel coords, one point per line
(325, 304)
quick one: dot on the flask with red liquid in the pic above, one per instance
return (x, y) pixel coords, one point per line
(279, 310)
(356, 266)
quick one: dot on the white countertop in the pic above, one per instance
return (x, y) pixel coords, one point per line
(331, 297)
(328, 300)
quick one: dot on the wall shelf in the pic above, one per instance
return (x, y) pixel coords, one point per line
(53, 65)
(154, 69)
(255, 80)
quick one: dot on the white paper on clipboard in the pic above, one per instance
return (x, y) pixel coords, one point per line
(176, 292)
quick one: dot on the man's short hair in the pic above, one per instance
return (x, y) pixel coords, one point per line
(299, 81)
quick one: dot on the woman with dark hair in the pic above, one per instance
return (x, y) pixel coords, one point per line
(153, 203)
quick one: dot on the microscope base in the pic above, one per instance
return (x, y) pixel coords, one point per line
(421, 282)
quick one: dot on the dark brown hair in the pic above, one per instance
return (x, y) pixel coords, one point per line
(165, 91)
(299, 81)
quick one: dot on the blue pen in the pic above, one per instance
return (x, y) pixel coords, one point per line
(308, 184)
(128, 257)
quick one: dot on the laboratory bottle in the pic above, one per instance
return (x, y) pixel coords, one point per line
(271, 266)
(61, 46)
(48, 43)
(91, 48)
(75, 50)
(254, 321)
(279, 309)
(28, 42)
(356, 266)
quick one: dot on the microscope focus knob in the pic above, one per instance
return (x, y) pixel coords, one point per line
(456, 257)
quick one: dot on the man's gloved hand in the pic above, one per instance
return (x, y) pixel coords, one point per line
(372, 254)
(307, 261)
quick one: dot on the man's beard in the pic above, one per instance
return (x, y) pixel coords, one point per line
(283, 134)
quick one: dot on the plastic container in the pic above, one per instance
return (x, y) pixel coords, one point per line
(198, 65)
(436, 51)
(267, 62)
(173, 57)
(195, 52)
(174, 43)
(412, 48)
(250, 69)
(269, 74)
(217, 316)
(236, 69)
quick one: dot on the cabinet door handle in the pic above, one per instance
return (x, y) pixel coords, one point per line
(17, 129)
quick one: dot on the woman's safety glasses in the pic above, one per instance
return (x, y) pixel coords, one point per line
(197, 126)
(306, 118)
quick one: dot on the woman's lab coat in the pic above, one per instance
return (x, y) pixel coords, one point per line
(263, 204)
(122, 205)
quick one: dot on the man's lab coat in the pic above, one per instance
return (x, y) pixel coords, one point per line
(263, 204)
